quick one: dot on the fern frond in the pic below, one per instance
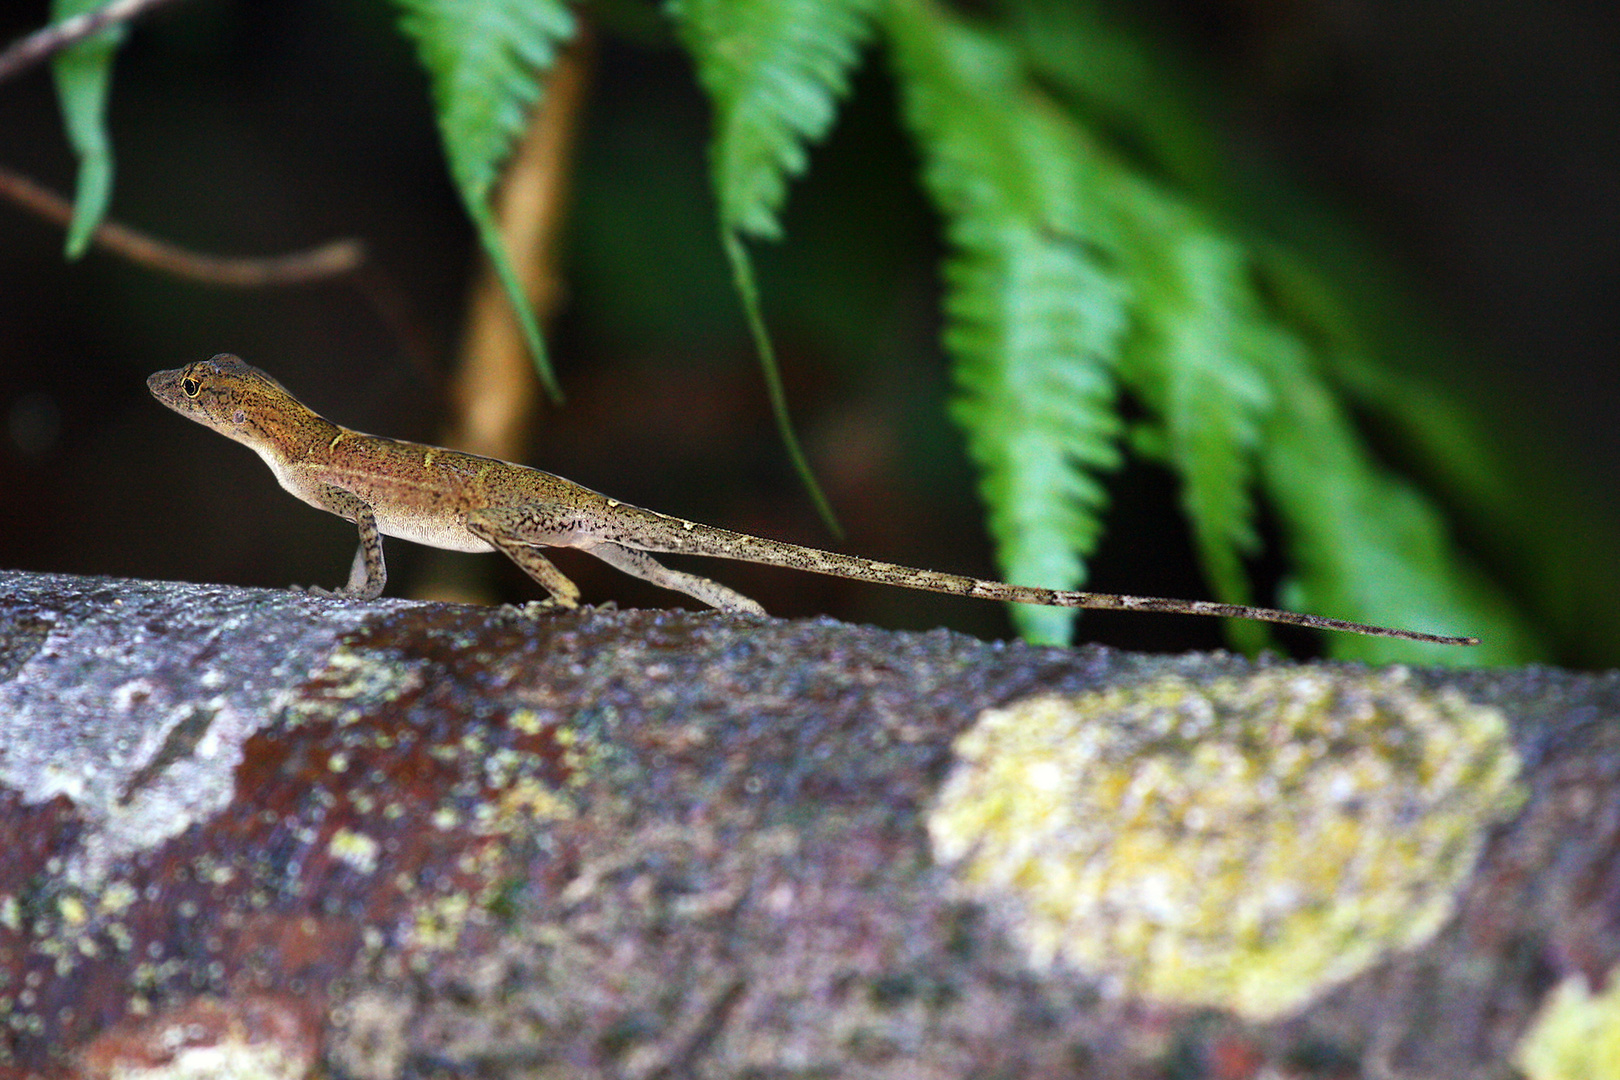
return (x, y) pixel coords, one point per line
(774, 71)
(1138, 92)
(83, 76)
(1367, 546)
(1196, 359)
(1035, 312)
(484, 59)
(742, 276)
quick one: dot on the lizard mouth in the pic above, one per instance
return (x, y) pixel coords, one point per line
(162, 384)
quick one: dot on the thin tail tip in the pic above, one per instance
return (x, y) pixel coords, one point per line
(1444, 639)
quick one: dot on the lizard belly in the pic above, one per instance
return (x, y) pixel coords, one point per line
(441, 531)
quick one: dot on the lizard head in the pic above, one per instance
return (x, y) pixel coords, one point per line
(229, 395)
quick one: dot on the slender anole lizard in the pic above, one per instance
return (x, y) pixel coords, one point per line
(463, 502)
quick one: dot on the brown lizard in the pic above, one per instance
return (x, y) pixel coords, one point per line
(464, 502)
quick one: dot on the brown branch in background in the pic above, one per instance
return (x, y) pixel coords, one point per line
(24, 53)
(493, 389)
(327, 261)
(343, 260)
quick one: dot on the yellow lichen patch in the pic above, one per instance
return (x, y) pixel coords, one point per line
(1241, 844)
(440, 921)
(355, 848)
(239, 1061)
(246, 1037)
(526, 802)
(1575, 1035)
(353, 681)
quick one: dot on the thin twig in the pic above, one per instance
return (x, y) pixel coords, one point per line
(24, 53)
(327, 261)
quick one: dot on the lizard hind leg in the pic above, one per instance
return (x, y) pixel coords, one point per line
(644, 566)
(487, 526)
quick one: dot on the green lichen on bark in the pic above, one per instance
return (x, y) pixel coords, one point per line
(1576, 1035)
(1242, 843)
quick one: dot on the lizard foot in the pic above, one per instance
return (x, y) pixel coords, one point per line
(318, 590)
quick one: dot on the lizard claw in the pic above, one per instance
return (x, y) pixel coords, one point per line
(537, 607)
(317, 590)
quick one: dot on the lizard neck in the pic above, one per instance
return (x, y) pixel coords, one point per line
(277, 426)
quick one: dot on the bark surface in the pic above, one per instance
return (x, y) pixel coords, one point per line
(401, 839)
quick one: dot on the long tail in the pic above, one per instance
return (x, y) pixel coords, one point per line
(1118, 602)
(707, 540)
(1025, 594)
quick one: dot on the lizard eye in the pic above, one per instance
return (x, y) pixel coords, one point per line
(190, 387)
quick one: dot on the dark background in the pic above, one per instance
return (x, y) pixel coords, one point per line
(1475, 143)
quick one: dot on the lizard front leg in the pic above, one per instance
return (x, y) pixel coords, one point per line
(367, 574)
(497, 527)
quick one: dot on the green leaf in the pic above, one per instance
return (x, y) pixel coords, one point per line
(1196, 359)
(774, 71)
(742, 275)
(1550, 547)
(1035, 310)
(1136, 89)
(484, 59)
(1366, 546)
(83, 75)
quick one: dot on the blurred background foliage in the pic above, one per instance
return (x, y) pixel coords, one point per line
(1397, 410)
